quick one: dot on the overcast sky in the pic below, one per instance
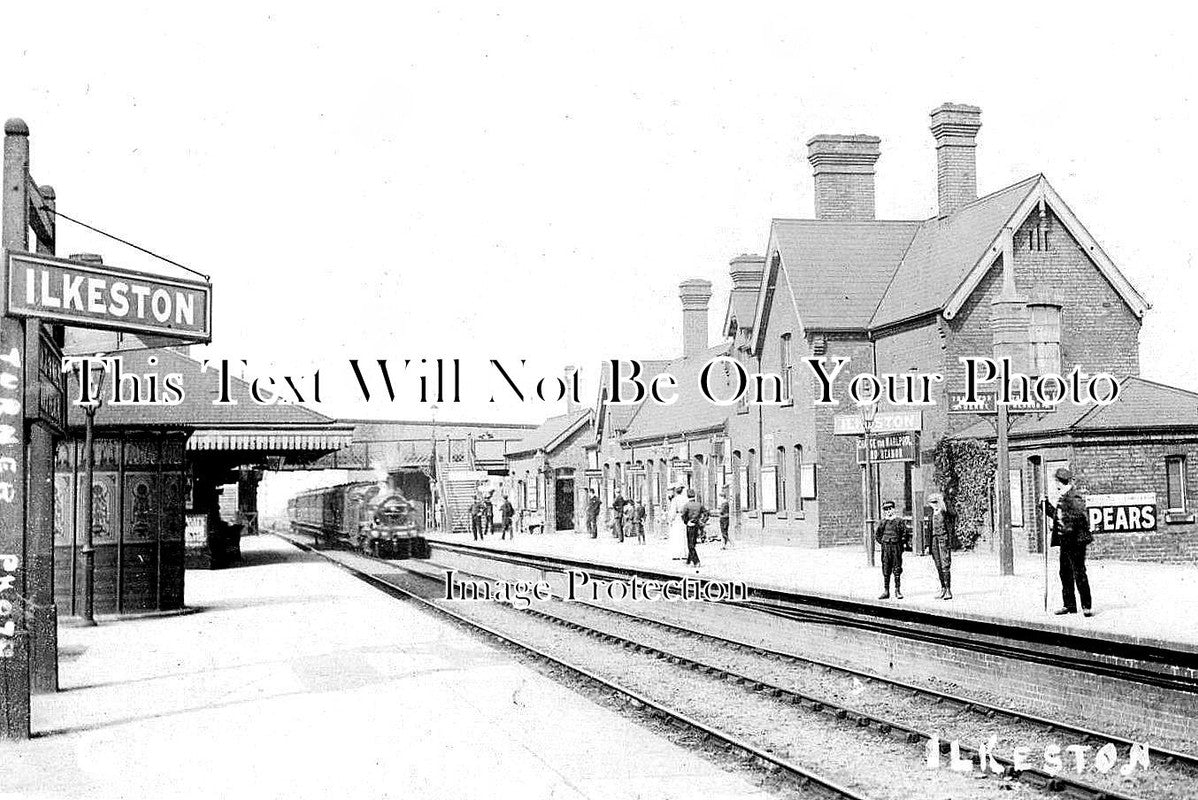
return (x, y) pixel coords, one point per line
(533, 181)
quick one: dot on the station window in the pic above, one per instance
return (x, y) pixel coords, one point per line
(786, 370)
(798, 479)
(1175, 482)
(780, 478)
(1044, 333)
(751, 494)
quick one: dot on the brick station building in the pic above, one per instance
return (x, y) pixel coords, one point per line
(546, 480)
(1132, 455)
(1015, 265)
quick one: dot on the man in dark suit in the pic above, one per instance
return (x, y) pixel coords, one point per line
(892, 535)
(476, 518)
(593, 506)
(617, 506)
(941, 527)
(507, 512)
(693, 516)
(1071, 531)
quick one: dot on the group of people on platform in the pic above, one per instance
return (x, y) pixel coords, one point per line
(685, 516)
(686, 519)
(488, 513)
(1070, 531)
(894, 537)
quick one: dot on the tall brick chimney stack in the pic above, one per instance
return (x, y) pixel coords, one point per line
(695, 294)
(844, 175)
(955, 128)
(746, 271)
(568, 377)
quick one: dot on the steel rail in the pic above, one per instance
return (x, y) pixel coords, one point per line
(1023, 642)
(1036, 778)
(803, 776)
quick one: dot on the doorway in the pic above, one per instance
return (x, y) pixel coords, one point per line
(563, 497)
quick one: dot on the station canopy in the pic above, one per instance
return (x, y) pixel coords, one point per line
(281, 435)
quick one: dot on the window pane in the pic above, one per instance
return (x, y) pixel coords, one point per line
(1175, 480)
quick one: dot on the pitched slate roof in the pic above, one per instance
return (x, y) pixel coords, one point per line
(839, 270)
(197, 409)
(551, 433)
(621, 415)
(1142, 405)
(742, 306)
(692, 411)
(856, 275)
(944, 251)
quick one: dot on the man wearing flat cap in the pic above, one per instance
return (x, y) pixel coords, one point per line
(892, 535)
(1071, 531)
(942, 527)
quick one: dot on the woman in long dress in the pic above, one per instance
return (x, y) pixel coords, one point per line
(677, 538)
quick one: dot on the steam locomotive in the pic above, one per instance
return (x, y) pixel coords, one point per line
(369, 517)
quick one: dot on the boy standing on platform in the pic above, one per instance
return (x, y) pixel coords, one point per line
(892, 534)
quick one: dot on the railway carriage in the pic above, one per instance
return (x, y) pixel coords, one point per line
(369, 517)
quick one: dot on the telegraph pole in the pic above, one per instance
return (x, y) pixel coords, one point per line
(14, 632)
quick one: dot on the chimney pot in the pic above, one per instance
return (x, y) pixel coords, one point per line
(843, 166)
(955, 128)
(568, 377)
(695, 294)
(746, 271)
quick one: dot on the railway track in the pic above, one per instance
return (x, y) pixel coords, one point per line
(1037, 778)
(804, 778)
(1138, 662)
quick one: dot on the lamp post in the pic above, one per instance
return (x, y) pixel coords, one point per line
(94, 375)
(434, 483)
(869, 412)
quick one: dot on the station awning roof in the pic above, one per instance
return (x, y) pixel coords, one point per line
(268, 440)
(243, 426)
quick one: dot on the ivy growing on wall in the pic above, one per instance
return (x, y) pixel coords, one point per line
(965, 473)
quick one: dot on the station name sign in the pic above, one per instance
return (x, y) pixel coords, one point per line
(108, 298)
(886, 422)
(987, 403)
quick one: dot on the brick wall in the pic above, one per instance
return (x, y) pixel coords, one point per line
(1139, 466)
(839, 196)
(1145, 712)
(841, 510)
(788, 427)
(1099, 333)
(1106, 465)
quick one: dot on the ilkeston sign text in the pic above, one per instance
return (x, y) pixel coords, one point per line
(100, 296)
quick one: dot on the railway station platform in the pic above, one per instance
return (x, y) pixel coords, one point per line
(1133, 601)
(290, 678)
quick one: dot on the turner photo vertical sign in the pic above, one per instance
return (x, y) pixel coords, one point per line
(11, 480)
